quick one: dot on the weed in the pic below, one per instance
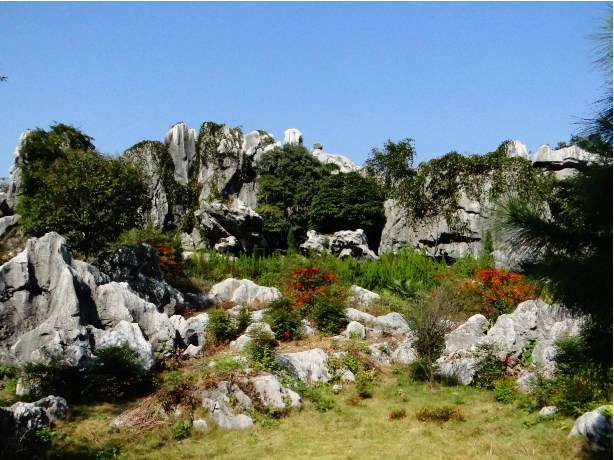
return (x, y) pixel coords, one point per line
(181, 429)
(397, 414)
(440, 415)
(504, 390)
(284, 320)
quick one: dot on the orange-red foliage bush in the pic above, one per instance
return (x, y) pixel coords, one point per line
(166, 258)
(500, 291)
(307, 286)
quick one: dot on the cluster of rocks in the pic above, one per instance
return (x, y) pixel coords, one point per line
(441, 241)
(23, 419)
(343, 244)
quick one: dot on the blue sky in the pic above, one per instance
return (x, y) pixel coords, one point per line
(452, 76)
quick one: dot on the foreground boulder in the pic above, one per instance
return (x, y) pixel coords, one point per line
(308, 366)
(595, 426)
(243, 292)
(220, 221)
(137, 264)
(23, 419)
(273, 394)
(51, 304)
(216, 402)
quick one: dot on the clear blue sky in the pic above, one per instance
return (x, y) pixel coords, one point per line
(453, 76)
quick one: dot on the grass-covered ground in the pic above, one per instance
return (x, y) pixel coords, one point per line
(347, 431)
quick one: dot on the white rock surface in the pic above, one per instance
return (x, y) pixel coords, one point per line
(243, 340)
(307, 328)
(467, 335)
(33, 416)
(315, 243)
(381, 353)
(293, 136)
(125, 333)
(8, 222)
(354, 328)
(215, 401)
(548, 410)
(354, 243)
(309, 366)
(462, 368)
(199, 424)
(243, 292)
(405, 352)
(392, 323)
(181, 143)
(362, 297)
(517, 149)
(273, 394)
(192, 351)
(345, 164)
(594, 426)
(360, 316)
(191, 331)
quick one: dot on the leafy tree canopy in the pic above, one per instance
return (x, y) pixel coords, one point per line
(347, 202)
(288, 180)
(86, 197)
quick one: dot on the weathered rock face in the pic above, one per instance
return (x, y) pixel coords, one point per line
(309, 366)
(345, 243)
(440, 241)
(219, 221)
(467, 335)
(137, 264)
(405, 352)
(243, 292)
(243, 340)
(216, 402)
(147, 155)
(52, 304)
(345, 164)
(293, 136)
(361, 297)
(594, 426)
(14, 191)
(315, 242)
(272, 393)
(23, 419)
(436, 237)
(191, 331)
(181, 143)
(8, 222)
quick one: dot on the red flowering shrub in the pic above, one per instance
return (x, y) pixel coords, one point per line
(499, 291)
(167, 259)
(306, 287)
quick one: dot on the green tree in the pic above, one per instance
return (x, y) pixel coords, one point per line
(393, 164)
(570, 243)
(88, 198)
(288, 180)
(348, 202)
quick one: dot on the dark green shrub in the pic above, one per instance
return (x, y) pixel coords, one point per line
(329, 316)
(314, 394)
(220, 326)
(504, 390)
(348, 202)
(418, 370)
(181, 429)
(241, 321)
(283, 319)
(114, 372)
(260, 349)
(11, 375)
(86, 197)
(364, 387)
(489, 368)
(50, 145)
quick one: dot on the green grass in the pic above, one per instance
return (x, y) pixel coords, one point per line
(490, 430)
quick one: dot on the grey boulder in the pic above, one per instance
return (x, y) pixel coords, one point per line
(26, 418)
(243, 292)
(594, 426)
(309, 366)
(273, 394)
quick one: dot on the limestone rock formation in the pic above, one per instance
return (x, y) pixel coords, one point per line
(381, 353)
(272, 393)
(405, 352)
(216, 402)
(191, 331)
(467, 335)
(126, 333)
(243, 292)
(149, 157)
(293, 136)
(594, 426)
(361, 297)
(354, 328)
(23, 419)
(243, 340)
(14, 190)
(563, 161)
(345, 164)
(219, 221)
(517, 149)
(137, 264)
(8, 222)
(181, 143)
(315, 243)
(309, 366)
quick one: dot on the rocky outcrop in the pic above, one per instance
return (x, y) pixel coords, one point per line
(381, 353)
(564, 162)
(216, 402)
(220, 221)
(243, 340)
(309, 366)
(23, 419)
(351, 243)
(273, 394)
(14, 191)
(436, 238)
(361, 297)
(405, 352)
(315, 243)
(467, 335)
(190, 331)
(345, 164)
(181, 144)
(150, 158)
(595, 426)
(355, 329)
(137, 264)
(51, 304)
(293, 136)
(517, 149)
(243, 292)
(8, 222)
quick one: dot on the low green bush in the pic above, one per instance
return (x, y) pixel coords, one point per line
(504, 390)
(313, 393)
(260, 349)
(113, 372)
(489, 368)
(220, 327)
(329, 316)
(284, 320)
(11, 376)
(181, 429)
